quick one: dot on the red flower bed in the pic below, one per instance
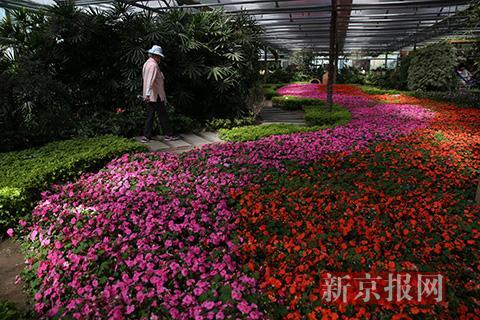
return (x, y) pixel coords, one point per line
(398, 206)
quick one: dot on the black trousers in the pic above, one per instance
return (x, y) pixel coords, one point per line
(160, 109)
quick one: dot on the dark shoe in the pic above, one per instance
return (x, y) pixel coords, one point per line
(145, 140)
(171, 138)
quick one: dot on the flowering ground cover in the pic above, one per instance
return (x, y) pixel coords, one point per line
(242, 230)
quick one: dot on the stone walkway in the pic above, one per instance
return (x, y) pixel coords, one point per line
(270, 114)
(187, 141)
(12, 263)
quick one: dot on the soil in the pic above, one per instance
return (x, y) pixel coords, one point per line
(11, 264)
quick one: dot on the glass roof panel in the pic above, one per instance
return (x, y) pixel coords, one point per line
(374, 26)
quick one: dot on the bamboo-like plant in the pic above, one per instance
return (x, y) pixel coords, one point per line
(211, 61)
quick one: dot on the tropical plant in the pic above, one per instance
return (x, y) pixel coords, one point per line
(350, 75)
(92, 59)
(303, 60)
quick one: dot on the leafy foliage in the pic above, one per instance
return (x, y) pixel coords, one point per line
(64, 66)
(24, 174)
(251, 133)
(216, 124)
(8, 311)
(399, 76)
(303, 59)
(350, 75)
(270, 90)
(432, 68)
(280, 75)
(466, 98)
(374, 90)
(318, 115)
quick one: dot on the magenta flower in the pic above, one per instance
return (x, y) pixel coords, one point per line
(154, 233)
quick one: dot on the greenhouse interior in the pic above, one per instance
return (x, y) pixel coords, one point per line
(239, 159)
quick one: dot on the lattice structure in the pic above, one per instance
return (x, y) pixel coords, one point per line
(372, 27)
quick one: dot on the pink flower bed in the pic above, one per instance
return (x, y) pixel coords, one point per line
(153, 235)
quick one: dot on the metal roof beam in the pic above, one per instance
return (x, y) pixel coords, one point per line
(18, 4)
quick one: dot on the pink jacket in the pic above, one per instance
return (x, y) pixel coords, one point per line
(153, 81)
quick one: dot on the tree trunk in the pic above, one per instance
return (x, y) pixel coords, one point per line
(332, 55)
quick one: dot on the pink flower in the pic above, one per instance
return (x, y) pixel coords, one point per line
(130, 309)
(10, 232)
(244, 307)
(208, 305)
(236, 295)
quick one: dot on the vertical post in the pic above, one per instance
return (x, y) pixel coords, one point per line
(386, 60)
(266, 65)
(332, 55)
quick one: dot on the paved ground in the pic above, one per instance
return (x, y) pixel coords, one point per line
(11, 264)
(271, 114)
(187, 141)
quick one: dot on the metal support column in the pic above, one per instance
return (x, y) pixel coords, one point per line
(332, 55)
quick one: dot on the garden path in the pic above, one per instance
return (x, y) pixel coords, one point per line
(186, 142)
(270, 114)
(11, 264)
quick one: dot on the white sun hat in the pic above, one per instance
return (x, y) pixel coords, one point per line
(157, 50)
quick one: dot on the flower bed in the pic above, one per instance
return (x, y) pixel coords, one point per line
(24, 174)
(160, 235)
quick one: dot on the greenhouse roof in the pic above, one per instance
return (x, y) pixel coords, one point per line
(373, 27)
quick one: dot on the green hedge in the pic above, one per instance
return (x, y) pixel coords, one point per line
(251, 133)
(293, 103)
(319, 115)
(217, 124)
(461, 98)
(270, 90)
(25, 174)
(375, 90)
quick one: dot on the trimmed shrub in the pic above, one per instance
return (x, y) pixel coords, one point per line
(465, 99)
(318, 115)
(269, 92)
(293, 103)
(381, 77)
(374, 90)
(251, 133)
(432, 68)
(25, 174)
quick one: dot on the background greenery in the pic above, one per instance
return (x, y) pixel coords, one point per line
(67, 73)
(318, 115)
(432, 68)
